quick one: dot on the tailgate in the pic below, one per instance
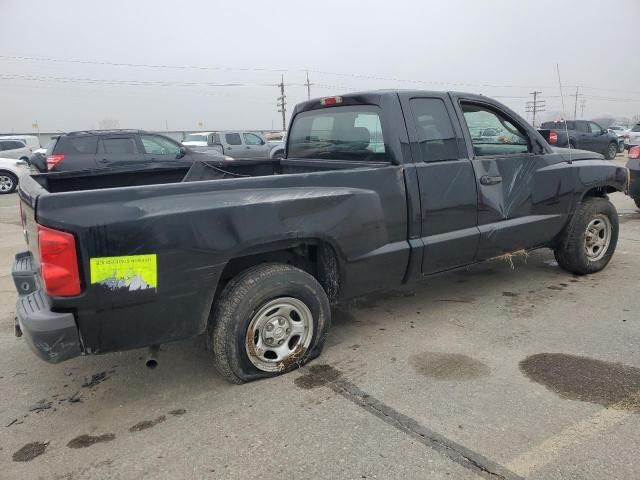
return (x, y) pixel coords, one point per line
(29, 191)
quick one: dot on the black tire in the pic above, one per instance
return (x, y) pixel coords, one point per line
(612, 151)
(572, 145)
(242, 299)
(278, 156)
(571, 252)
(637, 200)
(8, 183)
(620, 147)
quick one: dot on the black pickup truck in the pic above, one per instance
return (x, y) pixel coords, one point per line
(377, 189)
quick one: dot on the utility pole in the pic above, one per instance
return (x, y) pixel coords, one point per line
(308, 84)
(583, 103)
(575, 105)
(535, 106)
(282, 104)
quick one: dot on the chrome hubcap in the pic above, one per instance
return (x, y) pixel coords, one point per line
(597, 237)
(6, 183)
(279, 333)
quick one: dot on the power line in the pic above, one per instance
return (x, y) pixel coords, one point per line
(283, 70)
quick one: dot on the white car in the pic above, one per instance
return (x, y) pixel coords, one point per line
(30, 141)
(632, 137)
(14, 149)
(11, 170)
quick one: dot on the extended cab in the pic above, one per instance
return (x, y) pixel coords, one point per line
(377, 189)
(583, 134)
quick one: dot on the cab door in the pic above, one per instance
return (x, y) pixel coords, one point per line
(232, 145)
(447, 184)
(520, 204)
(254, 146)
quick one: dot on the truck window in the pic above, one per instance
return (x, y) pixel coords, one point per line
(120, 145)
(435, 131)
(636, 128)
(252, 139)
(508, 139)
(233, 139)
(595, 128)
(85, 144)
(338, 133)
(580, 126)
(156, 145)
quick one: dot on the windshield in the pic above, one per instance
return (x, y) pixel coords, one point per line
(196, 137)
(338, 133)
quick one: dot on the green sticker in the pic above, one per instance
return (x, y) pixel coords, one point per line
(131, 272)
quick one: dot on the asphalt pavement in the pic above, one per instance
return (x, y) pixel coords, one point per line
(497, 371)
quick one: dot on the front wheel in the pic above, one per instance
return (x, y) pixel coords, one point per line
(269, 320)
(8, 182)
(612, 151)
(590, 238)
(620, 147)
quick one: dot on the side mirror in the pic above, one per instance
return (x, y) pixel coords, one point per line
(183, 151)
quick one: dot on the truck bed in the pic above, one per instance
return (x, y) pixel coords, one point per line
(129, 177)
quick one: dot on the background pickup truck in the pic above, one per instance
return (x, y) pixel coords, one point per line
(236, 144)
(583, 134)
(377, 189)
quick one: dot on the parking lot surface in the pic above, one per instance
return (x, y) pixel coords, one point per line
(497, 371)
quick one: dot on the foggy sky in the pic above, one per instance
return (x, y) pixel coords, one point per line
(439, 45)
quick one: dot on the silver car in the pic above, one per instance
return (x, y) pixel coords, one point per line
(14, 149)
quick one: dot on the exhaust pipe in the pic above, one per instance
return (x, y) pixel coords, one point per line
(152, 357)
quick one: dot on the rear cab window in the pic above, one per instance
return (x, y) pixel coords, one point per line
(436, 136)
(233, 139)
(338, 133)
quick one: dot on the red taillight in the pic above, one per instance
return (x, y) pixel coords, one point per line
(53, 160)
(553, 137)
(327, 101)
(634, 152)
(58, 262)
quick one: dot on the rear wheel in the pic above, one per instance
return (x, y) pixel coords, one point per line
(270, 319)
(637, 200)
(590, 239)
(8, 182)
(612, 151)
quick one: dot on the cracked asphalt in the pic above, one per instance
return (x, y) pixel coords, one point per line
(487, 372)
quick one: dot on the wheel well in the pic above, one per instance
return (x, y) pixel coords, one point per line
(317, 259)
(7, 172)
(601, 192)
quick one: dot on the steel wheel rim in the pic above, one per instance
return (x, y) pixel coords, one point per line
(613, 151)
(279, 334)
(597, 237)
(6, 184)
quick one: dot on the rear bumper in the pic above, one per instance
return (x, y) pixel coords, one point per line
(53, 336)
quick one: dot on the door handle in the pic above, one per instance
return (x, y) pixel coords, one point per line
(490, 179)
(103, 160)
(248, 148)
